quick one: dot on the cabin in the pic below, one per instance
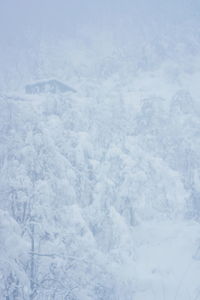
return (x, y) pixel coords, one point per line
(48, 87)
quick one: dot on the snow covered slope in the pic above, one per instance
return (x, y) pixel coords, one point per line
(168, 260)
(104, 186)
(100, 189)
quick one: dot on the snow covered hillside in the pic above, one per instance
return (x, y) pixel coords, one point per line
(100, 150)
(100, 193)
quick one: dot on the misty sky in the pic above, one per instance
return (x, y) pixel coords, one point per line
(24, 24)
(68, 17)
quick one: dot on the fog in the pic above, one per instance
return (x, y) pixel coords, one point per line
(123, 19)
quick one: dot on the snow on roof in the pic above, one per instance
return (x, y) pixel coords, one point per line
(48, 86)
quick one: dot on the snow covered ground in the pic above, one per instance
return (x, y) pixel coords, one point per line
(168, 260)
